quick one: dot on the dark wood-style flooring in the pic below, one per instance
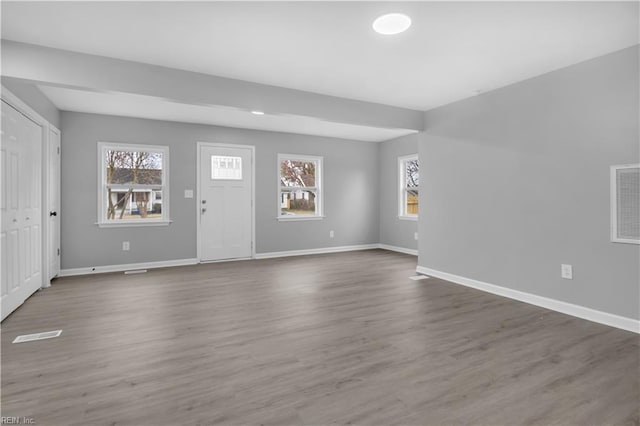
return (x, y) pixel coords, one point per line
(341, 338)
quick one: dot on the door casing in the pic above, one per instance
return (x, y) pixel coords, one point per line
(199, 146)
(53, 233)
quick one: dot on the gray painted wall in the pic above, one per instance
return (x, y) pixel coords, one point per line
(394, 231)
(350, 188)
(516, 182)
(33, 97)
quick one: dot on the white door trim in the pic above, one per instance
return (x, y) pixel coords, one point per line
(54, 129)
(25, 109)
(199, 147)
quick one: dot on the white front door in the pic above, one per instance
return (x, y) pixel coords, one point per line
(21, 205)
(225, 202)
(54, 203)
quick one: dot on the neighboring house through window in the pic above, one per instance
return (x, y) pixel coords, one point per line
(133, 184)
(299, 187)
(409, 178)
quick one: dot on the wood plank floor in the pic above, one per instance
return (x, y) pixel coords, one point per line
(341, 338)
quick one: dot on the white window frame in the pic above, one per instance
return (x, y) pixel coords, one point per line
(102, 222)
(318, 188)
(402, 187)
(614, 203)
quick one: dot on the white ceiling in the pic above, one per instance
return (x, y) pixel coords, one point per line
(128, 105)
(451, 51)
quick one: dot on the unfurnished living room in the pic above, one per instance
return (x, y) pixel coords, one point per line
(318, 213)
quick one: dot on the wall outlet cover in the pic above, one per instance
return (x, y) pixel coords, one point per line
(566, 271)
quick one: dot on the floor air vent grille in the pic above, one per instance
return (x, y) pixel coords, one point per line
(37, 336)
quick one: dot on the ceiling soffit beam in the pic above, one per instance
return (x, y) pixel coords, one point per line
(63, 68)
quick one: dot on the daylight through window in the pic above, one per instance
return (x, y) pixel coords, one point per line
(133, 184)
(409, 168)
(299, 189)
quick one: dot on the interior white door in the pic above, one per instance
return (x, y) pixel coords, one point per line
(21, 205)
(225, 202)
(53, 183)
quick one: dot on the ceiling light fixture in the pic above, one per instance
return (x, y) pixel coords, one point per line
(257, 112)
(392, 23)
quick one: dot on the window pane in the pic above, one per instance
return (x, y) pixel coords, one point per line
(133, 167)
(227, 168)
(298, 173)
(134, 204)
(411, 205)
(297, 202)
(412, 173)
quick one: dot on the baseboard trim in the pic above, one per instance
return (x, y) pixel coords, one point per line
(125, 267)
(583, 312)
(182, 262)
(324, 250)
(412, 252)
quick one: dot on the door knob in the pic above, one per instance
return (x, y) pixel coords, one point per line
(53, 213)
(204, 210)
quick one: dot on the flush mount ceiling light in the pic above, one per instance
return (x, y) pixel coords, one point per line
(257, 112)
(392, 23)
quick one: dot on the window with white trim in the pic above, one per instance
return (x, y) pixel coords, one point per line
(299, 187)
(409, 178)
(133, 184)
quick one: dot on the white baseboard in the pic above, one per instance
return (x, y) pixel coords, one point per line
(324, 250)
(182, 262)
(126, 267)
(413, 252)
(589, 314)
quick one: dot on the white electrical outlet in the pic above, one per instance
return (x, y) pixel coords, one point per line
(125, 245)
(331, 234)
(415, 236)
(566, 271)
(188, 193)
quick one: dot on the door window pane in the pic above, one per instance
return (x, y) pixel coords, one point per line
(226, 168)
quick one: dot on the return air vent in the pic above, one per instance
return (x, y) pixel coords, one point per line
(37, 336)
(625, 203)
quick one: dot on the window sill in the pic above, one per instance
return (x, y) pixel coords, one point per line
(129, 224)
(413, 218)
(297, 218)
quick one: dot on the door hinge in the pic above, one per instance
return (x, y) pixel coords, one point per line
(58, 252)
(58, 150)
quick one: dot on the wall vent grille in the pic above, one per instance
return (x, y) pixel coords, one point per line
(625, 203)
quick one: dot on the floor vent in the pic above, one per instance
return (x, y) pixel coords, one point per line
(37, 336)
(419, 277)
(135, 271)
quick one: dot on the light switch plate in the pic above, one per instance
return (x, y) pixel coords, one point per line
(188, 193)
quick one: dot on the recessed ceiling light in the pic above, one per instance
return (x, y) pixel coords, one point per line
(392, 23)
(257, 112)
